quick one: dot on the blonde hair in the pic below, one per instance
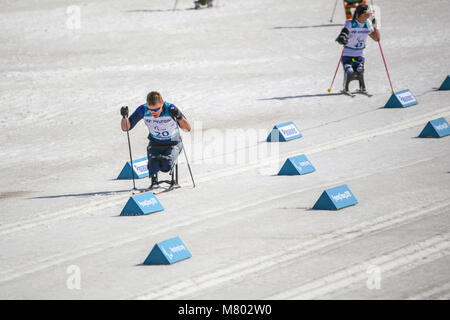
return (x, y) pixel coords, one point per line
(153, 98)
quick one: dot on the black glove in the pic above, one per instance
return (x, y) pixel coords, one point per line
(176, 113)
(343, 36)
(342, 39)
(124, 111)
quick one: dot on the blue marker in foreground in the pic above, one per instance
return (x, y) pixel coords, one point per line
(401, 99)
(437, 128)
(144, 203)
(335, 199)
(168, 252)
(284, 132)
(297, 165)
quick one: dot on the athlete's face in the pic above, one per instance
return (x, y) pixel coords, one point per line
(156, 109)
(364, 16)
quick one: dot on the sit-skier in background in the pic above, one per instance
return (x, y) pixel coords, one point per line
(353, 36)
(349, 4)
(202, 3)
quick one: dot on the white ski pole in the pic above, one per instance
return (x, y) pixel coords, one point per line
(332, 15)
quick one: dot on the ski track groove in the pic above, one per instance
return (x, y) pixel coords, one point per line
(49, 261)
(106, 203)
(189, 287)
(407, 258)
(141, 68)
(441, 291)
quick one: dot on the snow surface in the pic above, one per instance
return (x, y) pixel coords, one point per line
(244, 65)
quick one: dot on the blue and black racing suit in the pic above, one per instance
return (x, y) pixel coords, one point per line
(164, 137)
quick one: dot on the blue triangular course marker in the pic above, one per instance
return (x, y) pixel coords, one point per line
(168, 252)
(284, 132)
(296, 165)
(140, 169)
(446, 84)
(144, 203)
(437, 128)
(401, 99)
(335, 199)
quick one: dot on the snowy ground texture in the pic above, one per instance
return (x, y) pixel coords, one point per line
(243, 65)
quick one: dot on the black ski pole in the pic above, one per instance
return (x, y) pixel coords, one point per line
(129, 149)
(185, 155)
(131, 157)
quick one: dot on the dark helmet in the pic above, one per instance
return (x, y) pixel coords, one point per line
(362, 8)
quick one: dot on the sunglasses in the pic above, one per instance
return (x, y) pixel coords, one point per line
(155, 110)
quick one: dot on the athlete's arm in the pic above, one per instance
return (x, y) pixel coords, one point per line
(137, 115)
(179, 117)
(343, 36)
(184, 124)
(375, 35)
(125, 124)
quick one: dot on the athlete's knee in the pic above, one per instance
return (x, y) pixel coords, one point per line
(360, 67)
(165, 167)
(153, 164)
(165, 162)
(348, 68)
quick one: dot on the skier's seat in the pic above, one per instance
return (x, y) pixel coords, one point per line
(356, 66)
(348, 77)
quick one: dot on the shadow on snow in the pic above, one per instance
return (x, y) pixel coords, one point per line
(303, 96)
(87, 194)
(307, 27)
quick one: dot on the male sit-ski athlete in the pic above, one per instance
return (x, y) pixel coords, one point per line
(162, 119)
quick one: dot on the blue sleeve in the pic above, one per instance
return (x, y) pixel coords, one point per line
(348, 27)
(137, 115)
